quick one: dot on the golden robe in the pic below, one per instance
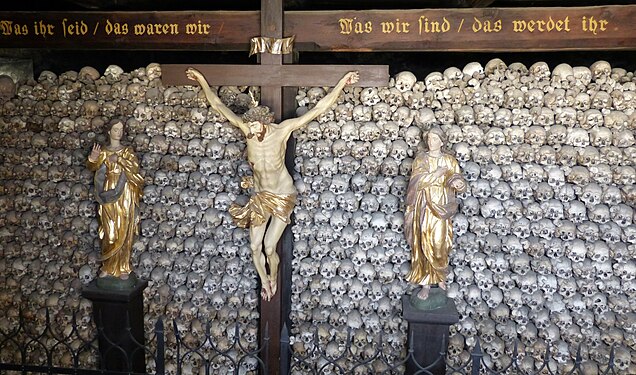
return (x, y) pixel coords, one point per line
(118, 188)
(260, 205)
(430, 203)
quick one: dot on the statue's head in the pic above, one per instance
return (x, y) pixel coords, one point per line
(257, 119)
(435, 138)
(116, 130)
(260, 114)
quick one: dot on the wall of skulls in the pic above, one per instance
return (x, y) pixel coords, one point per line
(545, 240)
(198, 264)
(546, 236)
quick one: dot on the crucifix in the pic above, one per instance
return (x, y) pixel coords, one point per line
(276, 81)
(269, 209)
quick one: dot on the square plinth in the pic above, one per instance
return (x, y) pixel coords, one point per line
(446, 315)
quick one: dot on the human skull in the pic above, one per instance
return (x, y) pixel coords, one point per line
(473, 70)
(473, 135)
(563, 76)
(602, 101)
(495, 69)
(435, 81)
(601, 71)
(113, 73)
(425, 117)
(403, 116)
(86, 274)
(399, 150)
(540, 70)
(465, 115)
(153, 71)
(404, 81)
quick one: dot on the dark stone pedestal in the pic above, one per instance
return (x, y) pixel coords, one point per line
(119, 317)
(428, 329)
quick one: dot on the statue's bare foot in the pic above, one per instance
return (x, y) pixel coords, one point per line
(103, 273)
(442, 285)
(266, 292)
(423, 293)
(124, 276)
(264, 295)
(272, 285)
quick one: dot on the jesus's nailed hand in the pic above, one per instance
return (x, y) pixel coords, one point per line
(193, 74)
(353, 77)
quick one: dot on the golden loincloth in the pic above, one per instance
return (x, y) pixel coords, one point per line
(260, 206)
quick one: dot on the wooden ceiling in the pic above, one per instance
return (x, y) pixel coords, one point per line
(142, 5)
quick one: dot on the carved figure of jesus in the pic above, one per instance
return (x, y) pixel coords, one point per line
(274, 191)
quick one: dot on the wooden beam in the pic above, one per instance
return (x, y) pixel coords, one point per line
(272, 26)
(272, 96)
(477, 29)
(473, 29)
(285, 75)
(219, 30)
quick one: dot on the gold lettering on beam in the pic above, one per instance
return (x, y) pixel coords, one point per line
(198, 28)
(542, 26)
(116, 28)
(387, 27)
(76, 28)
(43, 29)
(591, 25)
(397, 26)
(431, 26)
(486, 26)
(156, 29)
(10, 28)
(351, 25)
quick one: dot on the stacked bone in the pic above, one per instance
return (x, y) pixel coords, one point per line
(544, 242)
(353, 165)
(197, 262)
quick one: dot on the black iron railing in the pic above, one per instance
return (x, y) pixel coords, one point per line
(73, 350)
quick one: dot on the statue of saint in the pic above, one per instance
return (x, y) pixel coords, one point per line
(430, 204)
(274, 191)
(118, 187)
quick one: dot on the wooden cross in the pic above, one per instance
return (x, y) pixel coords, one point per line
(275, 80)
(274, 77)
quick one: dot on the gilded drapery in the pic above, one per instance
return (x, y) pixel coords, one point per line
(430, 204)
(260, 205)
(118, 188)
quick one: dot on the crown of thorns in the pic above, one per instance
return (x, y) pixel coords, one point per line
(261, 114)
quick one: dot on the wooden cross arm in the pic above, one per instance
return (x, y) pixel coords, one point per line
(275, 75)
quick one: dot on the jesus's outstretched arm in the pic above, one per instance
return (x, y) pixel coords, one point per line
(323, 105)
(214, 100)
